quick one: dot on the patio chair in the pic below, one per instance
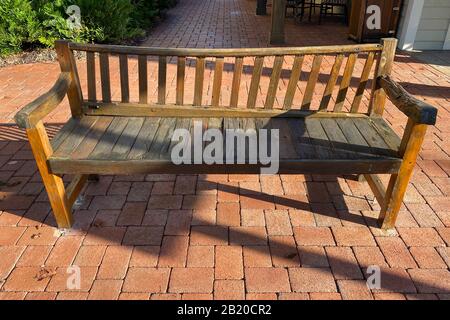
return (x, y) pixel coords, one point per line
(309, 5)
(327, 7)
(294, 5)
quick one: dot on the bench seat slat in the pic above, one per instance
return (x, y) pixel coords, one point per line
(91, 140)
(389, 136)
(307, 145)
(182, 123)
(302, 143)
(127, 138)
(144, 138)
(354, 137)
(64, 133)
(287, 151)
(337, 138)
(108, 140)
(75, 137)
(162, 138)
(374, 139)
(318, 138)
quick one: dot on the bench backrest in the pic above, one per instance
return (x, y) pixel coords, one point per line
(262, 78)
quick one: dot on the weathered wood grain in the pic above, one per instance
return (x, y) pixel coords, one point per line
(33, 112)
(312, 81)
(293, 82)
(236, 84)
(419, 111)
(105, 77)
(124, 78)
(91, 79)
(217, 84)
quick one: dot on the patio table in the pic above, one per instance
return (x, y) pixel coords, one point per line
(312, 5)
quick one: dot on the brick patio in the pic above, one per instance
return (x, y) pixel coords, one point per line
(159, 237)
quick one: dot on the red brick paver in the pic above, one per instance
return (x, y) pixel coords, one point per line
(218, 236)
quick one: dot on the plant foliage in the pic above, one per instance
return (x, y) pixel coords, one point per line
(25, 23)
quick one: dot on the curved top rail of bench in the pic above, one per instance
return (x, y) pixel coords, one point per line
(228, 52)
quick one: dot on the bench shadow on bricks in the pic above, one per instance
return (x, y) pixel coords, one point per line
(325, 208)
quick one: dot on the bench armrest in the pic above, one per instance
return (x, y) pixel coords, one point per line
(418, 111)
(32, 113)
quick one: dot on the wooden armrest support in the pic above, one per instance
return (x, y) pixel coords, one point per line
(32, 113)
(418, 111)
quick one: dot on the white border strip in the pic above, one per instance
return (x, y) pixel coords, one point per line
(411, 24)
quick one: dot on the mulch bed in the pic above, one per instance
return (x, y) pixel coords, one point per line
(37, 55)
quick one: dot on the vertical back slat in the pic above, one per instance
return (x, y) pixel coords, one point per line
(162, 78)
(104, 74)
(143, 83)
(293, 81)
(345, 83)
(273, 84)
(238, 66)
(90, 64)
(217, 84)
(124, 80)
(312, 81)
(331, 82)
(199, 77)
(181, 71)
(384, 67)
(67, 63)
(363, 82)
(254, 84)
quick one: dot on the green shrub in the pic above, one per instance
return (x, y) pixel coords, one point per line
(147, 11)
(41, 22)
(144, 13)
(113, 17)
(166, 4)
(18, 25)
(53, 23)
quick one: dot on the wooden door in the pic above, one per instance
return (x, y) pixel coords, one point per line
(390, 14)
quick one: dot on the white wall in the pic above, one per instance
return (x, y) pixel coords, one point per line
(433, 26)
(409, 23)
(425, 25)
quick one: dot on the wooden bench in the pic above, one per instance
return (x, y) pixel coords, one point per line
(337, 137)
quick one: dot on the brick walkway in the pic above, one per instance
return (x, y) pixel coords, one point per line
(158, 237)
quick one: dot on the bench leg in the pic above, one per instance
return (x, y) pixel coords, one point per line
(398, 183)
(40, 145)
(393, 201)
